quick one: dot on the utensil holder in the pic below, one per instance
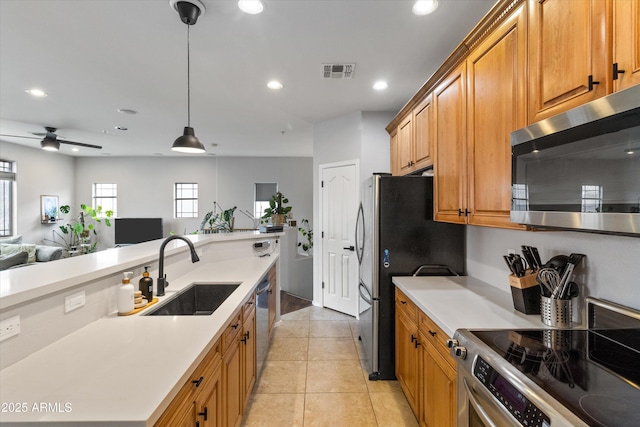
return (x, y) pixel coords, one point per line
(556, 313)
(525, 292)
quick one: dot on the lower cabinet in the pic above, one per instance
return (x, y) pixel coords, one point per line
(198, 402)
(425, 370)
(218, 390)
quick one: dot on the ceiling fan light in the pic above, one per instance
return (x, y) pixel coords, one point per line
(49, 144)
(188, 142)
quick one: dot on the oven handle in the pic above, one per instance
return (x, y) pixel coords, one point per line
(477, 406)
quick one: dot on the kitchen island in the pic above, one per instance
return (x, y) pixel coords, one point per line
(125, 370)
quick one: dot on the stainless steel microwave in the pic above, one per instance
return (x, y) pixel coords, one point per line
(581, 169)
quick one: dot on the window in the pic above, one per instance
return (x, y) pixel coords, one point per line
(186, 200)
(591, 198)
(7, 183)
(263, 193)
(106, 195)
(519, 197)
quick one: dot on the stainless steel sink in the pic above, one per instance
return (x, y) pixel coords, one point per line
(198, 299)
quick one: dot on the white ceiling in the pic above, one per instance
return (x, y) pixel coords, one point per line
(94, 57)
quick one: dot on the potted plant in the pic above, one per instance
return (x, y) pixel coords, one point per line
(218, 219)
(307, 233)
(277, 211)
(80, 235)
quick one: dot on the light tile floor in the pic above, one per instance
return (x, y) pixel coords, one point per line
(315, 376)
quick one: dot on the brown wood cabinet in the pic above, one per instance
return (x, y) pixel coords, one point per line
(406, 350)
(424, 368)
(450, 147)
(496, 106)
(411, 141)
(199, 399)
(249, 353)
(569, 55)
(437, 387)
(626, 43)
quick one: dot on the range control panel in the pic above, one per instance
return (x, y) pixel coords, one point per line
(510, 398)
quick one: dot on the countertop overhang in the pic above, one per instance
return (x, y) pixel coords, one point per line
(124, 370)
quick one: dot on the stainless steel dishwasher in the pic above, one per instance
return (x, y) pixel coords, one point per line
(262, 324)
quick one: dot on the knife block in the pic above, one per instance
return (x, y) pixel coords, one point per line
(525, 292)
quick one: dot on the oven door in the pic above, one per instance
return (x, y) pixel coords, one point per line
(477, 407)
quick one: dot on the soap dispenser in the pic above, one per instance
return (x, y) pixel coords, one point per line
(125, 294)
(146, 285)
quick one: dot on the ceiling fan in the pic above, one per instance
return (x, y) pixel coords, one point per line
(51, 142)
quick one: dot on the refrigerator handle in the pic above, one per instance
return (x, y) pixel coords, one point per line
(359, 250)
(366, 297)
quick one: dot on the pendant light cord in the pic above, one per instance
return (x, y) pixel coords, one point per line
(188, 79)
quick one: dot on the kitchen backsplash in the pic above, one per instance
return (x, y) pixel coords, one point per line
(611, 270)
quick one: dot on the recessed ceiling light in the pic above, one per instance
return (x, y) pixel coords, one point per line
(274, 84)
(631, 150)
(380, 85)
(75, 149)
(536, 151)
(39, 93)
(121, 128)
(252, 7)
(126, 111)
(424, 7)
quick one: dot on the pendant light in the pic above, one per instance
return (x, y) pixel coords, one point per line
(189, 12)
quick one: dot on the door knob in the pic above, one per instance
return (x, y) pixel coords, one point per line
(350, 248)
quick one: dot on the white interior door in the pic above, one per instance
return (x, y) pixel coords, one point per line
(339, 199)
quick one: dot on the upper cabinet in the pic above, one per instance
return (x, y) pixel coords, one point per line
(413, 139)
(496, 106)
(626, 43)
(450, 148)
(569, 55)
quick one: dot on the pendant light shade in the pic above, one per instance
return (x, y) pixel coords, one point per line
(188, 142)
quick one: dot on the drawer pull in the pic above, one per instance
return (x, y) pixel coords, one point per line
(198, 381)
(433, 334)
(402, 302)
(235, 326)
(204, 414)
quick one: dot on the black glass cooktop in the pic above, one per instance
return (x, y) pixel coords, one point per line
(595, 373)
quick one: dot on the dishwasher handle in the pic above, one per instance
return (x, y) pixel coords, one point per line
(435, 266)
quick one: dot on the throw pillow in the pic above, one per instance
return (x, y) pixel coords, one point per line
(11, 260)
(48, 253)
(6, 249)
(16, 240)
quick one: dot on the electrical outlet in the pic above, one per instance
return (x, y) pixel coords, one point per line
(9, 327)
(74, 301)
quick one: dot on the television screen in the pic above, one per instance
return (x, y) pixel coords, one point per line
(137, 230)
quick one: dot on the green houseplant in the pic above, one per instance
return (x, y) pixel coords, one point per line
(307, 233)
(218, 219)
(79, 235)
(277, 211)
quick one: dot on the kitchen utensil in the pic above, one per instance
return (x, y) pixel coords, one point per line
(528, 256)
(572, 262)
(536, 256)
(558, 262)
(518, 265)
(550, 279)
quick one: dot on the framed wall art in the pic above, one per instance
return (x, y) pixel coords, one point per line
(48, 209)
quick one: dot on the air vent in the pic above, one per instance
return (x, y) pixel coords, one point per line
(338, 71)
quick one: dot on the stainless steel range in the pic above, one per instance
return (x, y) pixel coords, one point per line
(552, 377)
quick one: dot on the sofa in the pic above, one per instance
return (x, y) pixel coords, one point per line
(14, 253)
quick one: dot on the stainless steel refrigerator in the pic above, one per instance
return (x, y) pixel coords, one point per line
(395, 235)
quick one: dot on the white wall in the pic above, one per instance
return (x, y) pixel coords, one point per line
(610, 271)
(357, 136)
(39, 173)
(145, 185)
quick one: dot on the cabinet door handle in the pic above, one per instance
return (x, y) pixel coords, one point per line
(417, 343)
(204, 414)
(591, 82)
(616, 71)
(198, 381)
(460, 213)
(413, 338)
(433, 334)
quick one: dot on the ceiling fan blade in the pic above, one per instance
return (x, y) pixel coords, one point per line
(20, 136)
(80, 144)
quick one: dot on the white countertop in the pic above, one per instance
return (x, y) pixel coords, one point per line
(124, 370)
(465, 303)
(35, 281)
